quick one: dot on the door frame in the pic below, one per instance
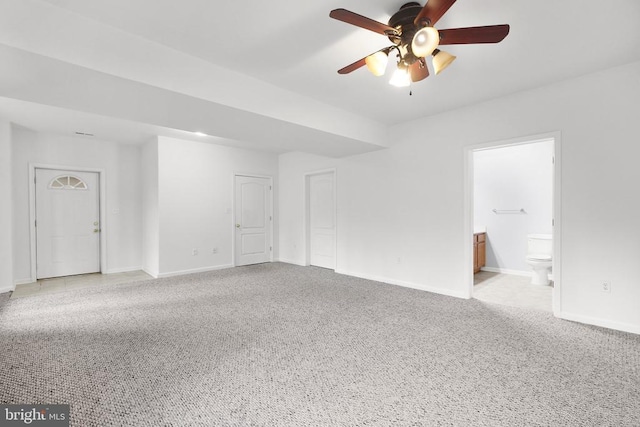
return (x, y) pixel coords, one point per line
(556, 206)
(306, 221)
(32, 211)
(233, 213)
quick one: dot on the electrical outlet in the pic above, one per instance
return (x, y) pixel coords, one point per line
(606, 287)
(194, 252)
(214, 251)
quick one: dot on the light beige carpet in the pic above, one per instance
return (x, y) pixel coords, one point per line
(281, 345)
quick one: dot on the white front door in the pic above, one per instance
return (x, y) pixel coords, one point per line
(253, 220)
(322, 227)
(67, 223)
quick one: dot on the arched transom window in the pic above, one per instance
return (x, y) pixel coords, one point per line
(67, 182)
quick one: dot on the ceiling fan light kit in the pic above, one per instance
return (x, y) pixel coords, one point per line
(441, 60)
(425, 42)
(414, 37)
(377, 63)
(400, 78)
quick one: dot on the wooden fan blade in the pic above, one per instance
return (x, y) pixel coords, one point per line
(472, 35)
(418, 71)
(361, 62)
(362, 22)
(433, 11)
(352, 67)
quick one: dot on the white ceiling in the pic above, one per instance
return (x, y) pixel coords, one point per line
(273, 65)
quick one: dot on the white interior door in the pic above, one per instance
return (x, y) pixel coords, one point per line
(67, 223)
(253, 220)
(322, 227)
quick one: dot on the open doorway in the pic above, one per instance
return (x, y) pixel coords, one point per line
(513, 211)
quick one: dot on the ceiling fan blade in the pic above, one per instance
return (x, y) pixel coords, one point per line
(352, 67)
(362, 62)
(472, 35)
(433, 11)
(418, 70)
(362, 22)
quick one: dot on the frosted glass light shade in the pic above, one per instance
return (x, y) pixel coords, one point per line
(425, 41)
(377, 63)
(441, 60)
(400, 78)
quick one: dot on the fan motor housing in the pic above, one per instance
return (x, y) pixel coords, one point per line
(402, 21)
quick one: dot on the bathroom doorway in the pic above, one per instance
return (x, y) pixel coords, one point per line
(512, 193)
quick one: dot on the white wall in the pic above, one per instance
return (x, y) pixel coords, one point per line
(196, 202)
(162, 200)
(514, 177)
(150, 208)
(597, 117)
(120, 164)
(291, 187)
(408, 202)
(6, 223)
(381, 233)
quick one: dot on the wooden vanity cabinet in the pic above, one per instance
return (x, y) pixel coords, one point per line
(479, 251)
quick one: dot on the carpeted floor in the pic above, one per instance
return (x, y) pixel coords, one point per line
(281, 345)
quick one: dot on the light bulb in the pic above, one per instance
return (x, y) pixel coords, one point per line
(400, 78)
(425, 41)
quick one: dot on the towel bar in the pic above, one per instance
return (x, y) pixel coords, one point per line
(509, 211)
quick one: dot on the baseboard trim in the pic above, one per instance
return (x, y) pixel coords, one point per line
(195, 270)
(153, 274)
(23, 282)
(404, 284)
(124, 270)
(618, 326)
(8, 289)
(506, 271)
(289, 261)
(513, 272)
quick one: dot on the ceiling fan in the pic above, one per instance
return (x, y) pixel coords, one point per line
(414, 38)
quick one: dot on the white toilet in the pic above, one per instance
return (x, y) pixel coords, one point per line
(539, 256)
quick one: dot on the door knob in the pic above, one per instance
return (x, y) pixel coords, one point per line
(237, 225)
(96, 223)
(96, 230)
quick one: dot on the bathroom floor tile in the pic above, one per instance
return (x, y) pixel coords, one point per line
(515, 291)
